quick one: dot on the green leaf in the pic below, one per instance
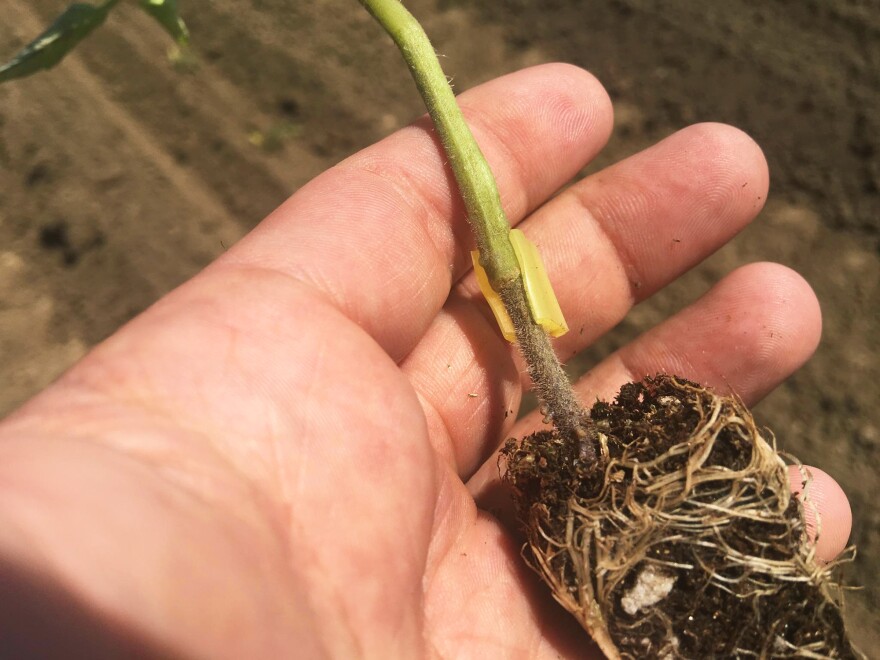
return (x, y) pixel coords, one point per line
(165, 12)
(47, 50)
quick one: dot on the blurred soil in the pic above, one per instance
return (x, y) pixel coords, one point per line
(122, 175)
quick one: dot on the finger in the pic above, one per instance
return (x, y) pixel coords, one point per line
(826, 510)
(634, 227)
(746, 335)
(657, 214)
(383, 235)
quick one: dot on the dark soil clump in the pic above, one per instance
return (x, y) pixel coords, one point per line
(685, 541)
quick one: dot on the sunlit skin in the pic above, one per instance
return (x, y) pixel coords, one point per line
(284, 457)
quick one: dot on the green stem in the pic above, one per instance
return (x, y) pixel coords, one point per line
(491, 228)
(475, 179)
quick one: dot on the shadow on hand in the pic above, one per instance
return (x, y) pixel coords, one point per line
(41, 619)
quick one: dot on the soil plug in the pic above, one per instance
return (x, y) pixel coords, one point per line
(684, 539)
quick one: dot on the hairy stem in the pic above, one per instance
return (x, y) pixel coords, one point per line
(558, 402)
(475, 179)
(488, 221)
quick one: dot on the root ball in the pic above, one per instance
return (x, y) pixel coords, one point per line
(685, 541)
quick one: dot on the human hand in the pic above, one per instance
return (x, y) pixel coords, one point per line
(284, 456)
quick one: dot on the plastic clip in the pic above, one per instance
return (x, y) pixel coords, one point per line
(543, 305)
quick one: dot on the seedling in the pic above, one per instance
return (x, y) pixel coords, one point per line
(664, 521)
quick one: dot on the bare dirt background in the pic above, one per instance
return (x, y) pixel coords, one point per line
(121, 176)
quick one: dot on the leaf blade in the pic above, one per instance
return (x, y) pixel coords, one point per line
(56, 41)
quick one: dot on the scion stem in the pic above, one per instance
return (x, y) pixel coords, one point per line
(477, 186)
(475, 179)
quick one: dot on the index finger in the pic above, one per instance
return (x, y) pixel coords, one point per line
(383, 235)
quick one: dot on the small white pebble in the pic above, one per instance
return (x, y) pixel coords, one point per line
(652, 585)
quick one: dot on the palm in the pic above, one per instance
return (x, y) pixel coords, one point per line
(285, 453)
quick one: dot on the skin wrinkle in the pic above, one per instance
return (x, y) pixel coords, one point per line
(224, 470)
(726, 209)
(339, 600)
(458, 439)
(627, 204)
(316, 278)
(430, 210)
(391, 515)
(334, 600)
(448, 505)
(320, 293)
(138, 406)
(422, 218)
(379, 321)
(590, 297)
(447, 451)
(763, 318)
(418, 589)
(305, 430)
(425, 286)
(455, 639)
(609, 247)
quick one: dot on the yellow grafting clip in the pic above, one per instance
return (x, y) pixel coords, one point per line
(542, 301)
(493, 299)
